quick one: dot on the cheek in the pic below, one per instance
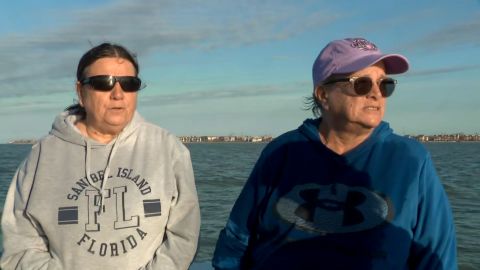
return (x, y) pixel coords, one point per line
(95, 103)
(351, 107)
(132, 101)
(336, 103)
(383, 107)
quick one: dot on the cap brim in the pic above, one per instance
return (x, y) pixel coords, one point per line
(394, 63)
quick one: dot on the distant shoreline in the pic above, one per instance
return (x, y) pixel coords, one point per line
(246, 142)
(218, 142)
(221, 142)
(265, 139)
(193, 139)
(23, 141)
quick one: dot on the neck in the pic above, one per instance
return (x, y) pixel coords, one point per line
(341, 140)
(95, 134)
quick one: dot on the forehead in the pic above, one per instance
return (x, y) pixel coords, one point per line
(111, 66)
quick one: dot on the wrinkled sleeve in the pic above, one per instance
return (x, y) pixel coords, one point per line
(183, 226)
(231, 251)
(434, 234)
(25, 245)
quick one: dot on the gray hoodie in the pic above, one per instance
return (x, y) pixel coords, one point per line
(60, 213)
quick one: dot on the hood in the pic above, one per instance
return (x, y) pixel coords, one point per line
(64, 128)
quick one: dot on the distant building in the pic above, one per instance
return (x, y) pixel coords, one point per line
(459, 137)
(23, 141)
(198, 139)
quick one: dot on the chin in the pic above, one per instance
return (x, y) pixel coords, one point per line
(369, 123)
(372, 124)
(118, 119)
(117, 122)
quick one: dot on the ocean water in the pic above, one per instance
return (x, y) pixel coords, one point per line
(222, 168)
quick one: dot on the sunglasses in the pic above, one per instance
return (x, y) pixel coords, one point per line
(107, 82)
(363, 85)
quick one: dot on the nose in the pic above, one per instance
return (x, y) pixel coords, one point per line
(375, 92)
(117, 91)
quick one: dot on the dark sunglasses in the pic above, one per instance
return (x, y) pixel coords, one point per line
(363, 85)
(107, 82)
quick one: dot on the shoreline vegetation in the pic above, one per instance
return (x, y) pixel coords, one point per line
(458, 137)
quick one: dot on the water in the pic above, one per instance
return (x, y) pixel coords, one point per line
(458, 165)
(222, 168)
(220, 173)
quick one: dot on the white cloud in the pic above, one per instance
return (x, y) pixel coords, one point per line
(461, 34)
(231, 93)
(32, 60)
(436, 71)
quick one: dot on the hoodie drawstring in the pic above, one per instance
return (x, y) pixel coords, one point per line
(106, 171)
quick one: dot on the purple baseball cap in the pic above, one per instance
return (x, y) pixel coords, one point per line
(353, 54)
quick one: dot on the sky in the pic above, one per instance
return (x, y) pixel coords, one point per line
(243, 67)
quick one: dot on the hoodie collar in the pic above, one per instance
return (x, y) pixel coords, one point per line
(64, 128)
(309, 129)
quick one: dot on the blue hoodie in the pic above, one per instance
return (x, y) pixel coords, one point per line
(379, 206)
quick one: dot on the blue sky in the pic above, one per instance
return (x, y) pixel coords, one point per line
(238, 67)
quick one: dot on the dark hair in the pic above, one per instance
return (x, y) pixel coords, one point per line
(312, 103)
(101, 51)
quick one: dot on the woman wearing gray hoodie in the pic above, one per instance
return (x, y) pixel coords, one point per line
(105, 189)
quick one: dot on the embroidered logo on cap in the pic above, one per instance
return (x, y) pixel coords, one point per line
(363, 44)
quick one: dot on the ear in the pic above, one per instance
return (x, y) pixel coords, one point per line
(78, 86)
(322, 95)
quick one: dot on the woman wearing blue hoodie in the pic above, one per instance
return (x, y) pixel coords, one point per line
(342, 191)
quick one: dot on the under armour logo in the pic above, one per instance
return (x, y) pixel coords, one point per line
(351, 215)
(335, 208)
